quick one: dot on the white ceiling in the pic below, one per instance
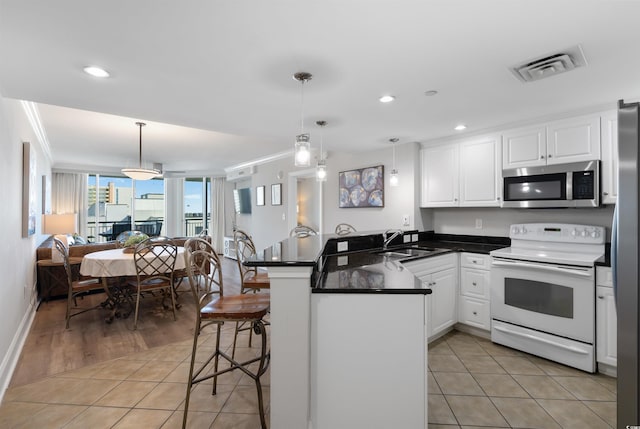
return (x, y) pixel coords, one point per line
(213, 78)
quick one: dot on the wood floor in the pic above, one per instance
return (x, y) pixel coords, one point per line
(52, 349)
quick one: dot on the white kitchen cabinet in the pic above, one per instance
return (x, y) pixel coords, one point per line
(609, 170)
(438, 273)
(606, 319)
(440, 177)
(475, 281)
(559, 142)
(462, 174)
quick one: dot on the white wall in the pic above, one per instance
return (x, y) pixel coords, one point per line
(17, 254)
(308, 204)
(496, 221)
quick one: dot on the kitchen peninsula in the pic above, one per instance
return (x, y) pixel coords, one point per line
(337, 320)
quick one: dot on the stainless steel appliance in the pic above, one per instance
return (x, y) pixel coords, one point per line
(563, 185)
(543, 292)
(625, 261)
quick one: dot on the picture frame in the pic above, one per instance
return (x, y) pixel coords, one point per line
(362, 187)
(259, 195)
(276, 194)
(29, 190)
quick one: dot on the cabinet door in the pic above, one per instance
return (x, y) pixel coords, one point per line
(439, 171)
(474, 283)
(480, 172)
(606, 327)
(573, 140)
(610, 157)
(475, 312)
(524, 147)
(444, 300)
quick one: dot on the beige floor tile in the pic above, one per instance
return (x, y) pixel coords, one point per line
(445, 363)
(195, 420)
(237, 421)
(524, 413)
(127, 394)
(165, 396)
(146, 355)
(433, 385)
(147, 419)
(454, 383)
(585, 389)
(572, 414)
(154, 371)
(440, 347)
(202, 399)
(86, 372)
(499, 350)
(244, 399)
(555, 368)
(97, 417)
(500, 385)
(467, 349)
(482, 365)
(480, 427)
(438, 426)
(62, 391)
(542, 387)
(439, 411)
(176, 353)
(609, 382)
(179, 375)
(119, 369)
(13, 414)
(475, 410)
(51, 416)
(606, 410)
(232, 377)
(518, 365)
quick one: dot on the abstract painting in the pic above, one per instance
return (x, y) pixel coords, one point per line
(362, 188)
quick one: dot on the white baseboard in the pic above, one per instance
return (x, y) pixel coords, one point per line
(10, 360)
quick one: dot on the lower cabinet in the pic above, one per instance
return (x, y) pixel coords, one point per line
(474, 307)
(474, 312)
(606, 319)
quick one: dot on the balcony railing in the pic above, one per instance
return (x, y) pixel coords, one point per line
(192, 226)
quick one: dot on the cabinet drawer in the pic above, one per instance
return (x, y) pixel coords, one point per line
(604, 276)
(474, 312)
(475, 260)
(474, 283)
(426, 266)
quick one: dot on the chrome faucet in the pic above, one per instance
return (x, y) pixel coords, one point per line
(388, 239)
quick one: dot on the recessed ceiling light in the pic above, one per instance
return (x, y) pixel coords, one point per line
(96, 71)
(460, 127)
(387, 98)
(430, 93)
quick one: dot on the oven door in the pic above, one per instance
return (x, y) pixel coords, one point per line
(556, 299)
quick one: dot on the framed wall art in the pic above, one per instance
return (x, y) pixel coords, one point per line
(363, 187)
(259, 195)
(276, 194)
(29, 190)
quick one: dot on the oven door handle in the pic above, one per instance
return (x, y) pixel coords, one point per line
(541, 340)
(583, 272)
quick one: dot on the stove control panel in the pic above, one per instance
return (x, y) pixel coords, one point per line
(558, 232)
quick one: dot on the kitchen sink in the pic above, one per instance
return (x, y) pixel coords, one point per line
(408, 252)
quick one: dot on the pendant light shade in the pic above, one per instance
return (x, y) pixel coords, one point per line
(321, 167)
(302, 147)
(394, 180)
(140, 173)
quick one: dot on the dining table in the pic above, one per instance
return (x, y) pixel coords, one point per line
(113, 266)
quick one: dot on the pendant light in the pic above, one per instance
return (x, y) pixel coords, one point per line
(321, 168)
(140, 173)
(302, 147)
(393, 178)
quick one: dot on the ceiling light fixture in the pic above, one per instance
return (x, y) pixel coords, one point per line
(302, 147)
(387, 98)
(321, 168)
(140, 173)
(460, 127)
(394, 180)
(96, 71)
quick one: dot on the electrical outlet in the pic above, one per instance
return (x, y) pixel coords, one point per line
(405, 220)
(284, 216)
(343, 246)
(406, 238)
(478, 223)
(414, 238)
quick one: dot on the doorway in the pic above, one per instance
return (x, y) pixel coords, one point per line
(307, 193)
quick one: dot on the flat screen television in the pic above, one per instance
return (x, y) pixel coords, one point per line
(242, 200)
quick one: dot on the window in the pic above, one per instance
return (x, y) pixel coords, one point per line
(196, 197)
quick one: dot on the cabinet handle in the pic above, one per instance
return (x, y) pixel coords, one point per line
(600, 297)
(498, 198)
(455, 199)
(541, 156)
(474, 283)
(475, 313)
(549, 156)
(605, 193)
(474, 261)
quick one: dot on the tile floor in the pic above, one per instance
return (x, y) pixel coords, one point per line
(472, 383)
(475, 383)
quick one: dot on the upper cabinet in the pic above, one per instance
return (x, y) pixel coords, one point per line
(609, 170)
(462, 174)
(559, 142)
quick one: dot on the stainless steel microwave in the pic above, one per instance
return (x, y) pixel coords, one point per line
(563, 185)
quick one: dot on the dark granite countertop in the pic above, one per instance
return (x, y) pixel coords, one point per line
(605, 261)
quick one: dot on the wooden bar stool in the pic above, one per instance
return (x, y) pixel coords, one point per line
(213, 307)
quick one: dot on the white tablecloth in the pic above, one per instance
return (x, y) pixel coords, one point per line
(116, 263)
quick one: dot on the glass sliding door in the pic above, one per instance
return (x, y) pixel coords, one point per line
(197, 205)
(148, 213)
(110, 202)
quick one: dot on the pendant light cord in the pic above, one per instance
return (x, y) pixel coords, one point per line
(140, 124)
(302, 107)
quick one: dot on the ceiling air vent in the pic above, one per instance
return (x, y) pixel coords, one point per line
(550, 65)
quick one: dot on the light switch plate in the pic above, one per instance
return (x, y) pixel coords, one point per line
(343, 260)
(343, 246)
(406, 238)
(414, 238)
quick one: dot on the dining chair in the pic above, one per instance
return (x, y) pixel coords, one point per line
(155, 260)
(302, 231)
(213, 307)
(251, 279)
(77, 288)
(344, 229)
